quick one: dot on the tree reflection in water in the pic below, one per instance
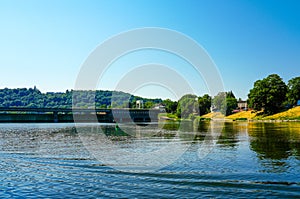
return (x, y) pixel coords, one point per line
(274, 143)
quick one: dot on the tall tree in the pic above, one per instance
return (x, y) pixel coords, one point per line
(231, 104)
(170, 105)
(293, 94)
(187, 106)
(149, 104)
(204, 104)
(268, 94)
(219, 101)
(225, 102)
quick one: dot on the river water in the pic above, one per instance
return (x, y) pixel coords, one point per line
(237, 159)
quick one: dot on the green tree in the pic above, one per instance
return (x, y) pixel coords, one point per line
(187, 106)
(204, 104)
(293, 94)
(170, 105)
(268, 94)
(32, 97)
(231, 104)
(225, 102)
(149, 104)
(219, 101)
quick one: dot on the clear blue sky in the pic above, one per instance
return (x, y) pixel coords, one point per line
(44, 43)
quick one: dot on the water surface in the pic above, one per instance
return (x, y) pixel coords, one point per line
(246, 160)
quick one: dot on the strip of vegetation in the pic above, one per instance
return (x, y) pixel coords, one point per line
(267, 97)
(241, 119)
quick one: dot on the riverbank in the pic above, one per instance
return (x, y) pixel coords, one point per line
(292, 114)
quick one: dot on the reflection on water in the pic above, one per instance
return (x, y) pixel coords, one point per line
(275, 141)
(246, 160)
(228, 137)
(275, 144)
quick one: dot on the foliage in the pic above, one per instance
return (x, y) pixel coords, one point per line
(219, 101)
(204, 104)
(268, 94)
(170, 105)
(225, 102)
(293, 94)
(187, 105)
(149, 104)
(32, 97)
(173, 116)
(241, 119)
(231, 104)
(190, 105)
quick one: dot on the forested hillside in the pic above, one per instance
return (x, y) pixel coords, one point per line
(32, 97)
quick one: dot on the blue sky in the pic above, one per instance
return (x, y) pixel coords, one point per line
(44, 43)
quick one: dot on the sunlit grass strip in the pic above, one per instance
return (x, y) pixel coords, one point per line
(243, 115)
(291, 114)
(213, 115)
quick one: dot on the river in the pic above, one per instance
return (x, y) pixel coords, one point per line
(231, 159)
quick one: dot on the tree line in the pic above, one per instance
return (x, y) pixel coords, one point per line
(192, 105)
(33, 98)
(270, 94)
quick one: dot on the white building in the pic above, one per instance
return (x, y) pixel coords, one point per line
(139, 104)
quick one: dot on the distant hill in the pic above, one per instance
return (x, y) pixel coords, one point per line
(32, 97)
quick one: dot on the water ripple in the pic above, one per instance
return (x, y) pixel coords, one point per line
(52, 163)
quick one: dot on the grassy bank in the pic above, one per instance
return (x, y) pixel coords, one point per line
(244, 115)
(168, 116)
(213, 115)
(291, 114)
